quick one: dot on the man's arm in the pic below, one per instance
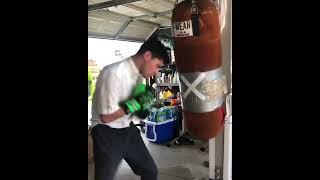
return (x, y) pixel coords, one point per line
(106, 118)
(107, 97)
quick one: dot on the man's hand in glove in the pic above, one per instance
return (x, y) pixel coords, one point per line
(139, 105)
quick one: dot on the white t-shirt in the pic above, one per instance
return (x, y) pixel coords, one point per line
(115, 84)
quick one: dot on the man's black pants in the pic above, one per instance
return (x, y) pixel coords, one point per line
(111, 145)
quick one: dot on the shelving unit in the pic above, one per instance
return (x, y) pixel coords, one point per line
(168, 84)
(159, 82)
(168, 77)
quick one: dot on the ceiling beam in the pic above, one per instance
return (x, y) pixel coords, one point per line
(134, 18)
(165, 12)
(148, 12)
(160, 14)
(151, 33)
(109, 4)
(123, 27)
(166, 3)
(92, 34)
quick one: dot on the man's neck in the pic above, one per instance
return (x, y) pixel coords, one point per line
(137, 60)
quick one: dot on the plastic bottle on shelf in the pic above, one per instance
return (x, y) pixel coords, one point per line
(174, 79)
(162, 78)
(170, 78)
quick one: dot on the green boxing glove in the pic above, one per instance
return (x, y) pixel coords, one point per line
(146, 100)
(131, 106)
(139, 105)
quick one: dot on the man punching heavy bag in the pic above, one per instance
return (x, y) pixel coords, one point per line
(197, 50)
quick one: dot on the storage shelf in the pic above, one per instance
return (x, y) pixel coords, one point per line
(167, 84)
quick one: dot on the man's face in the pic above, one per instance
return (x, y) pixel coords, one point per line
(152, 65)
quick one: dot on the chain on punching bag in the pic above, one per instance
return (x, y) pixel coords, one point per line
(197, 50)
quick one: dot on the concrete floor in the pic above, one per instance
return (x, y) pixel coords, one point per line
(174, 163)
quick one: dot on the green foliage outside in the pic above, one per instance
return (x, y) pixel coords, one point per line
(91, 86)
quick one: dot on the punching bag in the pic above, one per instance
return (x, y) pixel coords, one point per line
(197, 50)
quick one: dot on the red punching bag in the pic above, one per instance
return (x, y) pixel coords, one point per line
(197, 50)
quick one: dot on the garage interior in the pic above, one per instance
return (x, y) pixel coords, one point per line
(139, 20)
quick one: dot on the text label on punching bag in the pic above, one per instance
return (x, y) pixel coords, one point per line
(182, 29)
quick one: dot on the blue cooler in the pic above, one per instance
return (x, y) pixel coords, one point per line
(161, 125)
(161, 132)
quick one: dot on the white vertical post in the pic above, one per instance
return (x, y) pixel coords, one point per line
(212, 158)
(227, 158)
(227, 155)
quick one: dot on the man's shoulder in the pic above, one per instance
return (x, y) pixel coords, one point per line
(116, 69)
(116, 65)
(111, 68)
